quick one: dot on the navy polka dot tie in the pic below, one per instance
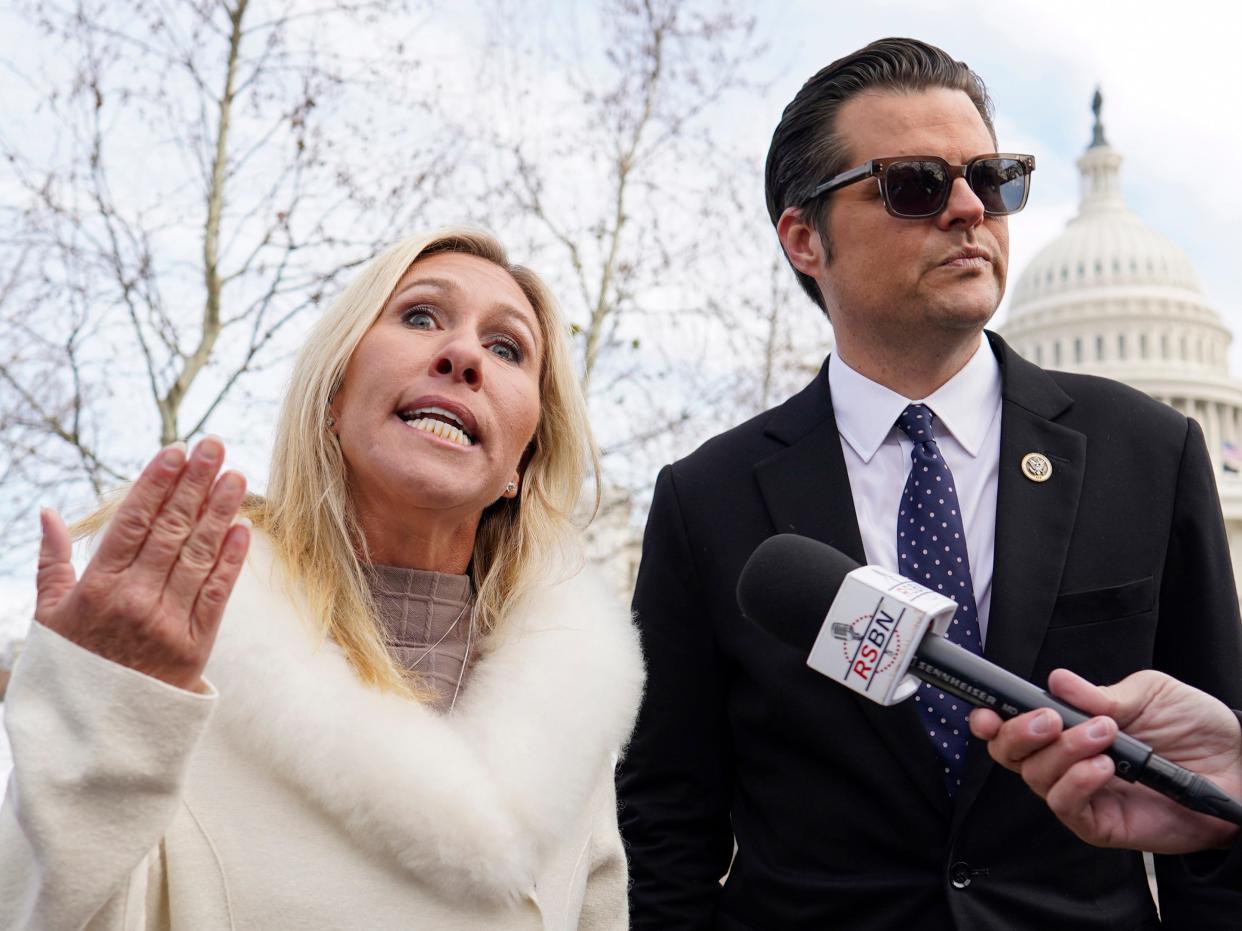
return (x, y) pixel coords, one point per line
(931, 549)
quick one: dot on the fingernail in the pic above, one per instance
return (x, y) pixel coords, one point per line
(232, 481)
(1097, 729)
(173, 453)
(1041, 723)
(210, 448)
(1102, 763)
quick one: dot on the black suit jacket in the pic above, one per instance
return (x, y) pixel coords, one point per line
(1117, 563)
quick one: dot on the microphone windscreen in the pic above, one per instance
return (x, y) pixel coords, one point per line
(788, 584)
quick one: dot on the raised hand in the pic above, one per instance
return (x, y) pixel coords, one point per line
(153, 595)
(1067, 770)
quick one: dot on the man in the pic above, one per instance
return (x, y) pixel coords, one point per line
(1075, 520)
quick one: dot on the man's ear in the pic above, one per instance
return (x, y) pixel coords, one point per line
(801, 242)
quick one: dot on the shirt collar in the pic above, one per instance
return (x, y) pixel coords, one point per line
(964, 405)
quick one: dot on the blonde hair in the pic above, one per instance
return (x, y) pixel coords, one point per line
(308, 512)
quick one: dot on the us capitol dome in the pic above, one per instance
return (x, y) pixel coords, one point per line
(1111, 296)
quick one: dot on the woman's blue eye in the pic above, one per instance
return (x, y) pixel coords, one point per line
(419, 319)
(506, 350)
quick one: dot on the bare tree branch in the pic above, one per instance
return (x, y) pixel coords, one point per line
(615, 180)
(192, 178)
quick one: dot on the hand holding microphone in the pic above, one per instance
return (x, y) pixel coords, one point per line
(878, 633)
(1066, 767)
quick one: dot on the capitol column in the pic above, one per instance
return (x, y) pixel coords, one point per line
(1194, 410)
(1228, 427)
(1214, 435)
(1205, 411)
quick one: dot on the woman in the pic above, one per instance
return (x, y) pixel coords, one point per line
(205, 738)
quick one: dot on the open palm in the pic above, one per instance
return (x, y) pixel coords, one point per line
(152, 596)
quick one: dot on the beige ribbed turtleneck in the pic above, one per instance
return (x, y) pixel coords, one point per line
(425, 618)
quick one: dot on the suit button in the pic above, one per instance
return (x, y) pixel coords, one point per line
(960, 874)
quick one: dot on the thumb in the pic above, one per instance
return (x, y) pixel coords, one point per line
(1083, 695)
(1150, 690)
(56, 577)
(1123, 701)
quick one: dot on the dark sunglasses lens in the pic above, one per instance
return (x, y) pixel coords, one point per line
(916, 188)
(1000, 183)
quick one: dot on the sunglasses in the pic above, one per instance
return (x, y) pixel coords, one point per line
(917, 186)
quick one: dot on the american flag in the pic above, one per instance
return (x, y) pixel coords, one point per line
(1230, 457)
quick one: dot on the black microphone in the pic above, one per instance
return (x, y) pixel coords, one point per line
(876, 633)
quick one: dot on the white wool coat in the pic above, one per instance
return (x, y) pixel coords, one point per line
(291, 797)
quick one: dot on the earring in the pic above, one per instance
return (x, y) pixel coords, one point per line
(511, 488)
(331, 421)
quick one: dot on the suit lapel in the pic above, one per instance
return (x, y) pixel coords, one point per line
(1034, 522)
(806, 489)
(805, 485)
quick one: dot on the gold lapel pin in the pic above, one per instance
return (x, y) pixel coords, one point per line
(1036, 467)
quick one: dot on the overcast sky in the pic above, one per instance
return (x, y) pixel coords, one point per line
(1170, 74)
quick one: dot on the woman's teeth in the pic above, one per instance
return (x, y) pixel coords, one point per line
(441, 429)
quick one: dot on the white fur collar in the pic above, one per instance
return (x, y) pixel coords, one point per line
(496, 782)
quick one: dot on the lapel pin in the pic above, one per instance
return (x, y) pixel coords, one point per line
(1036, 467)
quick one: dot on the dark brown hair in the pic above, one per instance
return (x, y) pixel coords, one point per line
(806, 148)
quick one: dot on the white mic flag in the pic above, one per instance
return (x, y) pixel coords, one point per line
(873, 628)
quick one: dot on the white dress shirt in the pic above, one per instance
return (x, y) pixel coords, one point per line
(877, 458)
